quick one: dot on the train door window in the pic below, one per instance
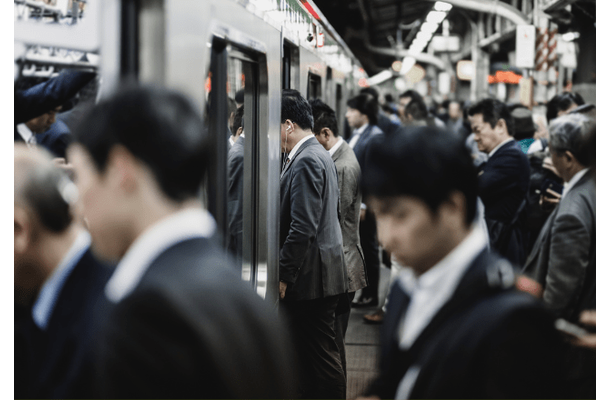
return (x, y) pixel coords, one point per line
(314, 86)
(290, 65)
(233, 123)
(338, 109)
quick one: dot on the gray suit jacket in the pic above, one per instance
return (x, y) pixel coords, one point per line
(350, 195)
(563, 257)
(311, 246)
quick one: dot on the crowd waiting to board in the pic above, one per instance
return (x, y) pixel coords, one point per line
(123, 288)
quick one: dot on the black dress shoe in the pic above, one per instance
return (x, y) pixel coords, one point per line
(366, 302)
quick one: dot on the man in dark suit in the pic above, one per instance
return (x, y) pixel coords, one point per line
(312, 267)
(38, 104)
(456, 327)
(57, 281)
(56, 139)
(176, 321)
(350, 196)
(362, 116)
(503, 179)
(235, 162)
(563, 257)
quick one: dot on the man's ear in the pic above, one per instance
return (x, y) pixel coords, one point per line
(122, 168)
(239, 131)
(327, 133)
(455, 206)
(501, 125)
(23, 230)
(569, 156)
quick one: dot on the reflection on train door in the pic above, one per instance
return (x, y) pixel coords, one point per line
(314, 86)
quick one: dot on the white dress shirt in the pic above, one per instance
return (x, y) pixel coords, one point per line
(299, 144)
(47, 297)
(28, 136)
(334, 149)
(183, 225)
(430, 292)
(569, 185)
(356, 135)
(491, 153)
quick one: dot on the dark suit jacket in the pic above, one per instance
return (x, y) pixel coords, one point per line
(311, 246)
(192, 329)
(236, 196)
(48, 95)
(487, 341)
(563, 257)
(56, 139)
(369, 133)
(350, 194)
(54, 357)
(386, 125)
(503, 183)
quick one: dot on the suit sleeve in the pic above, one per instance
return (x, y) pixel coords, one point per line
(48, 95)
(568, 261)
(306, 198)
(504, 175)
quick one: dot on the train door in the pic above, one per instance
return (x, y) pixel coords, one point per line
(314, 86)
(233, 189)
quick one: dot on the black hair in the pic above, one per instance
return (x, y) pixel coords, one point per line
(372, 91)
(493, 110)
(416, 109)
(367, 105)
(231, 106)
(413, 94)
(159, 127)
(239, 96)
(238, 120)
(296, 109)
(427, 163)
(562, 102)
(323, 117)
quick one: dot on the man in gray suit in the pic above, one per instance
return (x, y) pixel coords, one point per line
(312, 269)
(350, 196)
(563, 257)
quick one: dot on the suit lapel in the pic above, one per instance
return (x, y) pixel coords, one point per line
(340, 151)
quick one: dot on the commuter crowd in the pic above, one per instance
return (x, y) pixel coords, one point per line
(484, 212)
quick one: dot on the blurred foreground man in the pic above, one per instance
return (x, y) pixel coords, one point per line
(140, 160)
(312, 269)
(456, 327)
(57, 281)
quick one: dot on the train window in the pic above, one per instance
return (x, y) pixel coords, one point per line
(314, 86)
(338, 109)
(232, 187)
(290, 66)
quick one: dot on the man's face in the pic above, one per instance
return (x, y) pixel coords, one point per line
(355, 118)
(404, 102)
(42, 123)
(487, 138)
(101, 204)
(454, 111)
(408, 229)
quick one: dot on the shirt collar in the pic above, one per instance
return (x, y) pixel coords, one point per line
(187, 224)
(45, 302)
(231, 141)
(28, 136)
(334, 149)
(577, 177)
(299, 144)
(361, 129)
(491, 153)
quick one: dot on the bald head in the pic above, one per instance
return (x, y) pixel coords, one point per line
(42, 189)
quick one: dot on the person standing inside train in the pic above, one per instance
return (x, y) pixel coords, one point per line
(350, 196)
(312, 269)
(362, 116)
(175, 320)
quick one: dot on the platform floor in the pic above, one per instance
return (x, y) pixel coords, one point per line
(362, 344)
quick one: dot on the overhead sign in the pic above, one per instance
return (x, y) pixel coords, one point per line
(445, 43)
(526, 46)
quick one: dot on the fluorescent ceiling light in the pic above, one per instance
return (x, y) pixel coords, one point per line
(423, 35)
(436, 16)
(429, 27)
(568, 37)
(407, 64)
(442, 6)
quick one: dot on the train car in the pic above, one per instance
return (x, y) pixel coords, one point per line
(208, 50)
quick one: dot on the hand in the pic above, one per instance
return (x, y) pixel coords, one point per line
(362, 214)
(550, 199)
(283, 286)
(587, 318)
(60, 162)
